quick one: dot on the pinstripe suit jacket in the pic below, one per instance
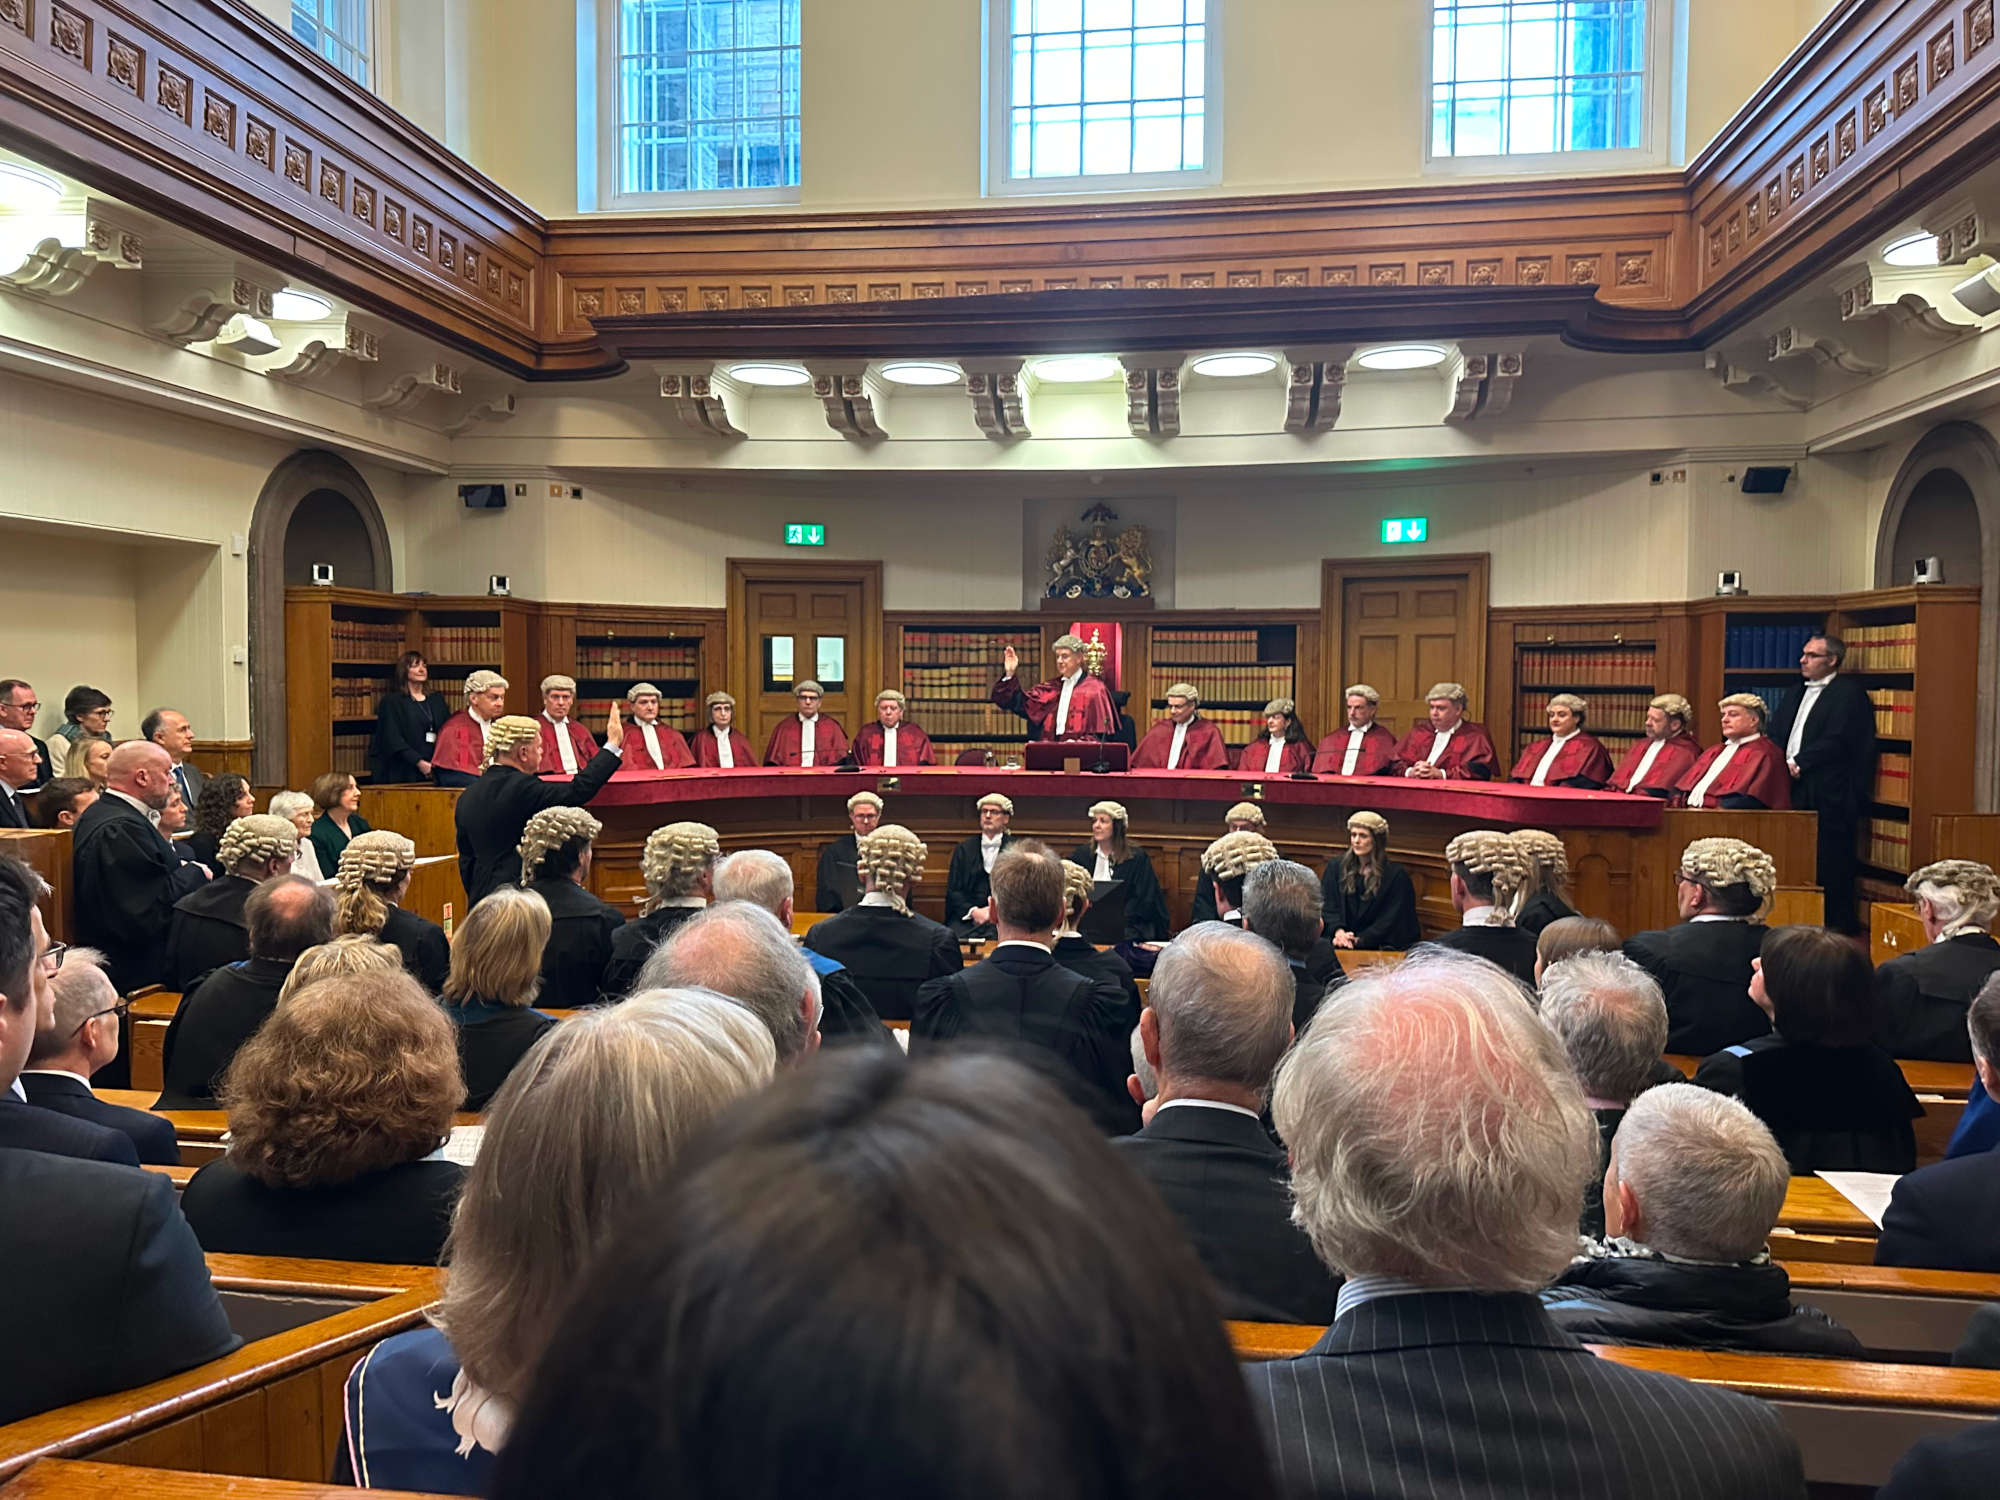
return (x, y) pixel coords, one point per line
(1446, 1394)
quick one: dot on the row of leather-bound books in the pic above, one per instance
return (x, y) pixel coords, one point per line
(1587, 666)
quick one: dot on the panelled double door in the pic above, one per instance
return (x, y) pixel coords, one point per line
(790, 622)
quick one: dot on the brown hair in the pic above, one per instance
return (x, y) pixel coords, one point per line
(1028, 885)
(327, 788)
(1568, 936)
(349, 1076)
(1820, 986)
(350, 953)
(399, 680)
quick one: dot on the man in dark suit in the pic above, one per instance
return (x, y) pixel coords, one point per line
(127, 876)
(1826, 727)
(17, 775)
(1282, 904)
(838, 886)
(891, 951)
(286, 916)
(967, 884)
(1021, 995)
(171, 731)
(1442, 1374)
(82, 1039)
(494, 810)
(1487, 869)
(1921, 997)
(1946, 1217)
(1952, 1466)
(209, 929)
(18, 707)
(1219, 1016)
(1703, 965)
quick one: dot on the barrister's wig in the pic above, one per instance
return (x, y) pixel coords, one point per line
(508, 733)
(893, 857)
(1187, 691)
(1283, 706)
(1960, 891)
(1674, 706)
(1450, 692)
(555, 681)
(1548, 860)
(890, 695)
(1245, 812)
(1235, 855)
(1078, 883)
(1491, 865)
(549, 830)
(995, 799)
(860, 797)
(1750, 701)
(676, 858)
(1374, 822)
(1115, 811)
(640, 690)
(481, 681)
(1717, 865)
(1362, 690)
(1571, 702)
(1069, 643)
(259, 839)
(718, 696)
(807, 685)
(370, 866)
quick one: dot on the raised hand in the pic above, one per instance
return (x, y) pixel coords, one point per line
(1010, 662)
(614, 729)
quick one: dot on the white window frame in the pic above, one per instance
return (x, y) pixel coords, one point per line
(373, 53)
(597, 96)
(1664, 112)
(997, 90)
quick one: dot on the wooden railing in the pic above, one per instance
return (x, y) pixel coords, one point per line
(70, 1479)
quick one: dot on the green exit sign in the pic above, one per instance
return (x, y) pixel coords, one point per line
(798, 534)
(1407, 529)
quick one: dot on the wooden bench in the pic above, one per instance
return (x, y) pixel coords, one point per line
(71, 1479)
(200, 1132)
(1896, 1313)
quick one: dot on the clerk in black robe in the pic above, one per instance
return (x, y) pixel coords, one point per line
(208, 930)
(838, 886)
(407, 726)
(556, 855)
(493, 812)
(967, 887)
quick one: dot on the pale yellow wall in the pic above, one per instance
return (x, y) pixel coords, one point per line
(72, 618)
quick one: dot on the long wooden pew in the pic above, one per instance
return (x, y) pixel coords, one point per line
(1896, 1313)
(71, 1479)
(273, 1408)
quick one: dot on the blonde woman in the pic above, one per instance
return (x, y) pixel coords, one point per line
(344, 956)
(678, 867)
(588, 1126)
(374, 877)
(91, 760)
(298, 809)
(496, 974)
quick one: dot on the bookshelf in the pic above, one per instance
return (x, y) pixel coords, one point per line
(947, 665)
(1617, 659)
(607, 651)
(1237, 668)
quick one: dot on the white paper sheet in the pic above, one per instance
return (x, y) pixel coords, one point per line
(1867, 1191)
(462, 1145)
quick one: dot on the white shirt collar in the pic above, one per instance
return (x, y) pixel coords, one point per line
(1024, 943)
(553, 719)
(807, 718)
(152, 814)
(1075, 677)
(57, 1073)
(695, 901)
(1564, 739)
(1480, 916)
(1235, 1109)
(1716, 916)
(1359, 1289)
(991, 840)
(878, 898)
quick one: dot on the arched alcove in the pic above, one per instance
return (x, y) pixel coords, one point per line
(315, 508)
(1945, 503)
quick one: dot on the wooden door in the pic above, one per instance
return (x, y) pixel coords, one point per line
(1401, 627)
(792, 621)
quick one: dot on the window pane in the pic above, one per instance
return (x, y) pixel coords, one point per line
(778, 664)
(1537, 76)
(338, 31)
(1104, 87)
(717, 84)
(830, 652)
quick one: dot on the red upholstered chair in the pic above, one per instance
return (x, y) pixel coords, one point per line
(975, 758)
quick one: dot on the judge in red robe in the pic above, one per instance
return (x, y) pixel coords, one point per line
(722, 744)
(1183, 740)
(788, 745)
(1282, 749)
(1362, 747)
(1449, 746)
(1654, 766)
(1746, 769)
(559, 730)
(1568, 757)
(461, 746)
(891, 740)
(649, 744)
(1072, 705)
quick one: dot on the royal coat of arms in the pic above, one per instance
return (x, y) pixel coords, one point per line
(1100, 565)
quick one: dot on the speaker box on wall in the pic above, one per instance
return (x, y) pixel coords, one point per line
(483, 496)
(1765, 480)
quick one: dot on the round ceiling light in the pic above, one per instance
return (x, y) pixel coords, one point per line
(770, 374)
(1912, 250)
(1234, 366)
(290, 306)
(1076, 369)
(1402, 357)
(25, 188)
(922, 372)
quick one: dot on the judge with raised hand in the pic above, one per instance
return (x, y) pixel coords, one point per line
(650, 744)
(1747, 770)
(1183, 740)
(1569, 756)
(493, 813)
(1072, 705)
(1653, 766)
(892, 740)
(808, 737)
(1447, 746)
(1361, 747)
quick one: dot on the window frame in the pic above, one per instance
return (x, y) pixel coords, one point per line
(1663, 113)
(996, 90)
(372, 53)
(602, 88)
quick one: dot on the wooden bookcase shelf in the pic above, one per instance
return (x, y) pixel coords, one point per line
(1616, 658)
(946, 665)
(608, 649)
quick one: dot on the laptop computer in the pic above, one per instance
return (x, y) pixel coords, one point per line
(1049, 755)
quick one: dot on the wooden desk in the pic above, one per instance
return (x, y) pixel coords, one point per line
(200, 1132)
(1813, 1207)
(70, 1479)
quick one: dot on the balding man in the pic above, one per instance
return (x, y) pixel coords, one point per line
(742, 951)
(492, 814)
(1921, 998)
(83, 1038)
(18, 707)
(1445, 1225)
(17, 775)
(461, 746)
(1218, 1018)
(764, 879)
(1361, 747)
(1183, 740)
(127, 875)
(169, 728)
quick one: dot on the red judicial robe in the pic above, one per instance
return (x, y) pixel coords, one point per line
(1092, 714)
(1582, 758)
(582, 746)
(1298, 756)
(1201, 749)
(787, 740)
(674, 753)
(913, 746)
(1378, 752)
(461, 745)
(705, 753)
(1469, 757)
(1675, 756)
(1756, 770)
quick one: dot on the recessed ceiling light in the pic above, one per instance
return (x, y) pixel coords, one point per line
(1912, 250)
(770, 374)
(1232, 366)
(291, 306)
(1076, 369)
(1402, 357)
(922, 372)
(25, 188)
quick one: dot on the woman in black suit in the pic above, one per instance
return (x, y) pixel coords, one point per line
(223, 799)
(407, 722)
(335, 1108)
(375, 876)
(1835, 1101)
(496, 972)
(1109, 857)
(1369, 901)
(555, 864)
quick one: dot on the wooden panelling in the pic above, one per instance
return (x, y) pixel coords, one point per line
(212, 757)
(1967, 836)
(71, 1479)
(424, 816)
(46, 851)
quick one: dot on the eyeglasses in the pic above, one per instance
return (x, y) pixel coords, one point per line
(52, 956)
(120, 1010)
(33, 708)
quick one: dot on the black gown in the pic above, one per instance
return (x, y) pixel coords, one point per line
(1385, 922)
(579, 946)
(406, 732)
(1145, 902)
